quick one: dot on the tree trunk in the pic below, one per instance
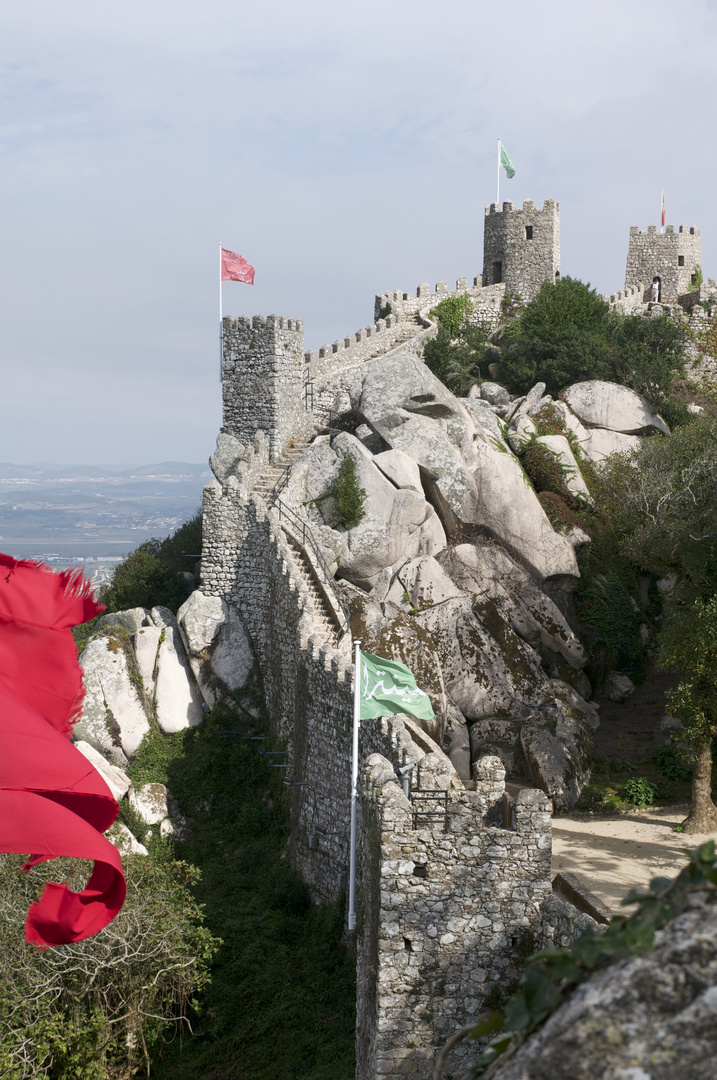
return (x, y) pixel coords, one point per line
(702, 817)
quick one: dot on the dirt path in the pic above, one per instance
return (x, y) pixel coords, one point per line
(614, 854)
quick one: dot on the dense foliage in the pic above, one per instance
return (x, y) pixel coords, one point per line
(567, 333)
(282, 997)
(153, 573)
(460, 349)
(93, 1010)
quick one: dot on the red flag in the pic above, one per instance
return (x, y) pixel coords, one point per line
(663, 211)
(236, 268)
(52, 801)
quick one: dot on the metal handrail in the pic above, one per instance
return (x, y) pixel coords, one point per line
(306, 538)
(280, 484)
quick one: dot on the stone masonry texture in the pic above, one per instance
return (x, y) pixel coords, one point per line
(521, 247)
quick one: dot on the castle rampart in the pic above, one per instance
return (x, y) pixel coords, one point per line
(521, 248)
(672, 256)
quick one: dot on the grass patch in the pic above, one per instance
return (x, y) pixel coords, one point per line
(282, 999)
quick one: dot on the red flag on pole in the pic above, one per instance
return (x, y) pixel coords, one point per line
(52, 801)
(236, 268)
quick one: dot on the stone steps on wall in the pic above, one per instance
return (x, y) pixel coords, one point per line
(324, 622)
(410, 326)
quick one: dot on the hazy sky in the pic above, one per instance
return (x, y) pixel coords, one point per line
(344, 149)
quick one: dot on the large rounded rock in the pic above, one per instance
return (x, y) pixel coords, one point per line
(226, 457)
(487, 668)
(646, 1017)
(616, 408)
(113, 717)
(217, 644)
(117, 781)
(487, 572)
(179, 704)
(602, 443)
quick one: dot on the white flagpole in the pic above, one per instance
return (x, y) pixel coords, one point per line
(497, 182)
(221, 318)
(354, 785)
(662, 203)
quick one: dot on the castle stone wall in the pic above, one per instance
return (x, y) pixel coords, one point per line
(672, 256)
(448, 912)
(521, 247)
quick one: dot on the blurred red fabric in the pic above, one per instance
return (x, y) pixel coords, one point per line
(53, 802)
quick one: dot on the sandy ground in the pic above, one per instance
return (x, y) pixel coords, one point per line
(614, 854)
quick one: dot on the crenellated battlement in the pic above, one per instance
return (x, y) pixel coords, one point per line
(362, 345)
(549, 206)
(406, 304)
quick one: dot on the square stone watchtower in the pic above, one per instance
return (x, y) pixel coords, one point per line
(672, 256)
(263, 375)
(521, 247)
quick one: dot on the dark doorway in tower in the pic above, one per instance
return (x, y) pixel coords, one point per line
(497, 273)
(656, 289)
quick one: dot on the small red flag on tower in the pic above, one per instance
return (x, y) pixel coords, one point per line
(236, 268)
(663, 209)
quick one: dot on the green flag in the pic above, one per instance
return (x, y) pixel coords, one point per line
(389, 687)
(506, 162)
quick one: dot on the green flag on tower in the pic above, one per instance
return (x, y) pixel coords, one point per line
(506, 162)
(386, 686)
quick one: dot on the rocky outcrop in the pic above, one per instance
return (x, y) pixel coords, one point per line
(615, 408)
(178, 701)
(113, 719)
(470, 480)
(650, 1017)
(217, 645)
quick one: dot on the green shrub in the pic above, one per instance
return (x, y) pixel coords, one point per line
(639, 791)
(606, 606)
(91, 1010)
(452, 313)
(561, 515)
(544, 469)
(349, 498)
(152, 573)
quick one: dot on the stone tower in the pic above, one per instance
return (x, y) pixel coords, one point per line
(263, 376)
(521, 247)
(671, 256)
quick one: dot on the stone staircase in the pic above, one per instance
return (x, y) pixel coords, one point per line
(410, 326)
(272, 473)
(324, 618)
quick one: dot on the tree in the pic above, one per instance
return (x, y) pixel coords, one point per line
(689, 643)
(152, 573)
(567, 334)
(663, 503)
